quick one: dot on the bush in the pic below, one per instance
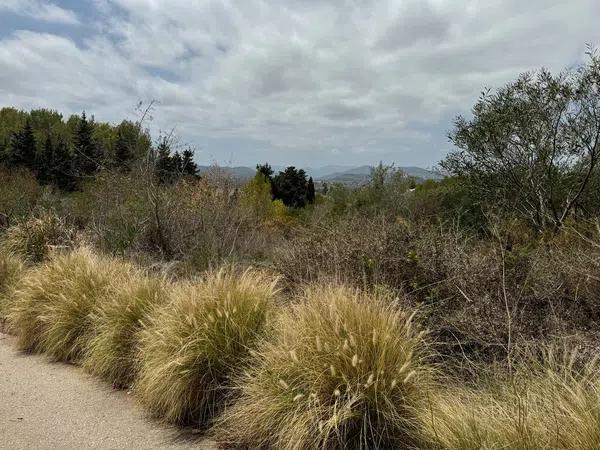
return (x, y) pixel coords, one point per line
(194, 344)
(343, 371)
(548, 405)
(33, 239)
(357, 250)
(111, 351)
(51, 311)
(115, 210)
(11, 271)
(19, 194)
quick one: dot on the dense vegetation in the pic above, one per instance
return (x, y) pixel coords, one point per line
(113, 265)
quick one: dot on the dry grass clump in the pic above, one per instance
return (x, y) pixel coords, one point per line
(33, 239)
(550, 405)
(344, 371)
(11, 271)
(194, 344)
(51, 311)
(111, 351)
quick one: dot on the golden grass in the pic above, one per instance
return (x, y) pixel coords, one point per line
(344, 370)
(549, 405)
(111, 351)
(194, 344)
(339, 369)
(11, 271)
(51, 310)
(34, 239)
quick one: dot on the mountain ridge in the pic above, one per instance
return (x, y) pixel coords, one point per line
(329, 173)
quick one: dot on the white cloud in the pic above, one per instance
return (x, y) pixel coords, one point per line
(40, 10)
(291, 80)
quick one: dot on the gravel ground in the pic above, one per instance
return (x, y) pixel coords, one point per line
(45, 405)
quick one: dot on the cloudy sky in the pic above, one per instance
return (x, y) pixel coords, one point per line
(304, 82)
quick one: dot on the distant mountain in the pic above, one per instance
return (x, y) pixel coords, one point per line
(332, 173)
(361, 174)
(240, 172)
(320, 172)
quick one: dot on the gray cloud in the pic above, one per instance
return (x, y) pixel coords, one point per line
(302, 82)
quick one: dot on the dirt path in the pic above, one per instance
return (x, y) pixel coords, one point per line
(57, 406)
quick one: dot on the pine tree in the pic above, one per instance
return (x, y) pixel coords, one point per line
(189, 167)
(266, 170)
(62, 173)
(86, 157)
(290, 186)
(123, 150)
(23, 149)
(164, 163)
(310, 191)
(176, 165)
(45, 162)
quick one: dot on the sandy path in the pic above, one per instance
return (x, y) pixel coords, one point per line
(57, 406)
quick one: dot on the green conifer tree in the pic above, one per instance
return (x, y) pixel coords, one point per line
(62, 173)
(310, 191)
(189, 167)
(86, 157)
(23, 150)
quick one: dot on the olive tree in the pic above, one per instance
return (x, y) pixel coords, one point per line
(532, 146)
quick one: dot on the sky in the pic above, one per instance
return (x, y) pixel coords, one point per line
(302, 82)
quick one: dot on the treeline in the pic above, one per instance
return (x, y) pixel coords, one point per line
(65, 153)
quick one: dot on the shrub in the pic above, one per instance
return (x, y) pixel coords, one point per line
(11, 271)
(111, 351)
(548, 405)
(33, 239)
(51, 311)
(343, 371)
(195, 343)
(19, 194)
(356, 250)
(115, 210)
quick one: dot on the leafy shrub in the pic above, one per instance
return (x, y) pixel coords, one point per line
(51, 311)
(11, 271)
(195, 343)
(343, 371)
(33, 239)
(111, 351)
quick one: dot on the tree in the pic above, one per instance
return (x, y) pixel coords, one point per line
(188, 166)
(310, 191)
(23, 151)
(61, 172)
(532, 147)
(45, 162)
(266, 170)
(256, 196)
(164, 163)
(86, 156)
(291, 187)
(123, 150)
